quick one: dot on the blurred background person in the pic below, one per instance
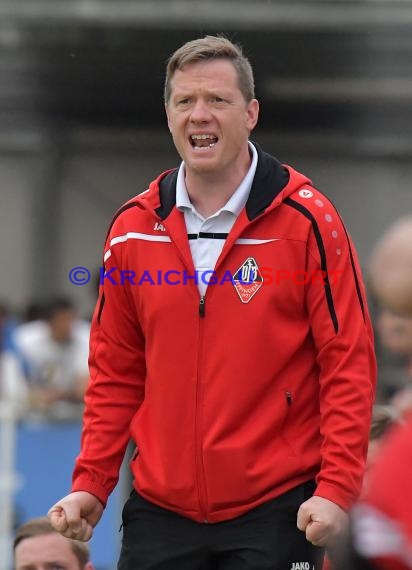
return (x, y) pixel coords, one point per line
(390, 267)
(390, 278)
(54, 355)
(395, 333)
(37, 546)
(380, 536)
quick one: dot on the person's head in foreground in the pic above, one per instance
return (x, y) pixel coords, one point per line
(37, 546)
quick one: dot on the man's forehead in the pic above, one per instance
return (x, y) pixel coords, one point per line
(42, 550)
(209, 80)
(210, 69)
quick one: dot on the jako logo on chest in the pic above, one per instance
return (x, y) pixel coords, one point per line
(300, 566)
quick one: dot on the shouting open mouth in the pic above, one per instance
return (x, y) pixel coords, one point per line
(203, 140)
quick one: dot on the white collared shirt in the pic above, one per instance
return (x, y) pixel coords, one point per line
(205, 250)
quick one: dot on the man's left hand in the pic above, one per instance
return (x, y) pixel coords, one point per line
(322, 521)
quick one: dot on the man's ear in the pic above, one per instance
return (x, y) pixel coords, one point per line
(252, 114)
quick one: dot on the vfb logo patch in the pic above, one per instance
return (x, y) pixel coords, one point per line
(247, 280)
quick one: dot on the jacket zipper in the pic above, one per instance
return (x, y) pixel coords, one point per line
(202, 307)
(201, 483)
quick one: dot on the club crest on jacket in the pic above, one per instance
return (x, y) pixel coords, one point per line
(247, 280)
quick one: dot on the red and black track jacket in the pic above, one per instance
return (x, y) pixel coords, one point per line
(237, 397)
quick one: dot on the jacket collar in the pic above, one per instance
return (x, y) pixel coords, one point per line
(270, 179)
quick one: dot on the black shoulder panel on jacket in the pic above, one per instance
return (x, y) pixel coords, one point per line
(270, 179)
(167, 194)
(118, 213)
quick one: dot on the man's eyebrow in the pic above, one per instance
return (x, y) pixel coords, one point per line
(218, 91)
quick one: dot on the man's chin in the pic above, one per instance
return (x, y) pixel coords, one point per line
(202, 166)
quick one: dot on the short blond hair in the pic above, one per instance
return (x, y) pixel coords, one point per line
(42, 525)
(207, 48)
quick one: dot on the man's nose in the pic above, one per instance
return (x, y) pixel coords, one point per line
(200, 112)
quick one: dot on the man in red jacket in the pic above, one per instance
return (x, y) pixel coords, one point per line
(232, 341)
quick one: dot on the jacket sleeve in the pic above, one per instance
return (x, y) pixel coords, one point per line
(343, 337)
(117, 377)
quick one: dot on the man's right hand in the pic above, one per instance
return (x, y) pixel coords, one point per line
(76, 515)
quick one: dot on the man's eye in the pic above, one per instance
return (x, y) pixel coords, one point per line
(217, 99)
(183, 101)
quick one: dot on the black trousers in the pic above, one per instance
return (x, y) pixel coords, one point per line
(265, 538)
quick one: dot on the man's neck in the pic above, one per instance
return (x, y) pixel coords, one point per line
(209, 201)
(209, 194)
